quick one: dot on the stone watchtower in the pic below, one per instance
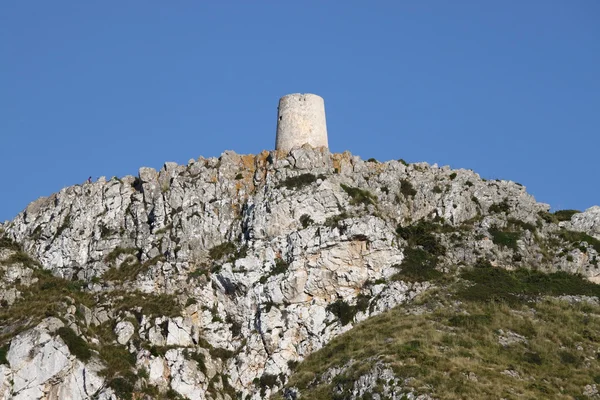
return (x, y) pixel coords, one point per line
(300, 121)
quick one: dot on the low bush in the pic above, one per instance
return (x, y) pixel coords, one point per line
(359, 196)
(343, 311)
(299, 181)
(306, 220)
(3, 353)
(500, 285)
(505, 238)
(502, 207)
(334, 221)
(417, 266)
(565, 215)
(407, 189)
(421, 234)
(576, 238)
(77, 346)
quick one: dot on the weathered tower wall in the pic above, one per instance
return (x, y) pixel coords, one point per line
(301, 120)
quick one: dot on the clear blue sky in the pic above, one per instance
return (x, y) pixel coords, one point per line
(510, 89)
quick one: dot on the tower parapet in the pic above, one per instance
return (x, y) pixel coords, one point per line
(300, 121)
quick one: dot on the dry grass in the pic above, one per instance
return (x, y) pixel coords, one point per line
(439, 350)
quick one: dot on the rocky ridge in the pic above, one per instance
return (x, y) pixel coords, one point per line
(212, 279)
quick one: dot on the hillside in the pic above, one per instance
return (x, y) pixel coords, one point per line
(296, 275)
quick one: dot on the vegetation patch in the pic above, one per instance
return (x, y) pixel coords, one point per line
(20, 257)
(453, 354)
(422, 234)
(505, 238)
(334, 221)
(407, 189)
(576, 238)
(119, 251)
(565, 215)
(492, 284)
(558, 216)
(417, 266)
(8, 243)
(299, 181)
(131, 268)
(359, 196)
(77, 346)
(280, 267)
(152, 305)
(502, 207)
(345, 312)
(518, 224)
(3, 353)
(44, 298)
(306, 221)
(228, 251)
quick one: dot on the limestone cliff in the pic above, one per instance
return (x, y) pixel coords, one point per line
(212, 279)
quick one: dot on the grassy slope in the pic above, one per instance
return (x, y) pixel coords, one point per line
(448, 344)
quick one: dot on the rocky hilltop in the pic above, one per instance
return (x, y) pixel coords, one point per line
(215, 279)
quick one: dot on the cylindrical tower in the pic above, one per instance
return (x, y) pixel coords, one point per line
(301, 120)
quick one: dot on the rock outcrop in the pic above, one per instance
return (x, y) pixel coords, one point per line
(210, 279)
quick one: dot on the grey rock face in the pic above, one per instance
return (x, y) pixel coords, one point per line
(254, 249)
(587, 221)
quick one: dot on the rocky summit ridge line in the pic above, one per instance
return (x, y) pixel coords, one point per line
(211, 280)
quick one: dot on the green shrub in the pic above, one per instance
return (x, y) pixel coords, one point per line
(280, 267)
(504, 238)
(421, 234)
(497, 284)
(453, 176)
(502, 207)
(306, 221)
(417, 266)
(372, 160)
(532, 358)
(123, 386)
(343, 311)
(359, 196)
(221, 353)
(334, 221)
(517, 223)
(576, 238)
(566, 357)
(3, 353)
(403, 162)
(407, 189)
(239, 176)
(299, 181)
(77, 346)
(565, 215)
